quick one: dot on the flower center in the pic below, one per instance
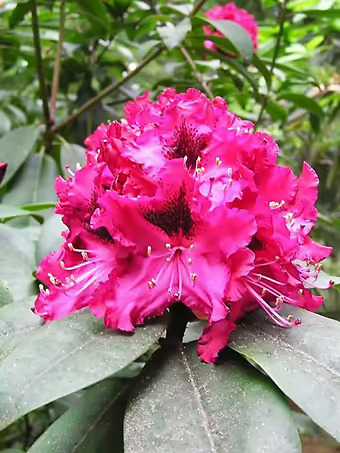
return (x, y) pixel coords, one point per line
(174, 216)
(187, 144)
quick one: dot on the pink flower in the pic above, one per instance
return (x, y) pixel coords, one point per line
(231, 12)
(182, 202)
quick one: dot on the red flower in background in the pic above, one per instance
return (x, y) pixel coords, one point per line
(3, 168)
(231, 12)
(182, 202)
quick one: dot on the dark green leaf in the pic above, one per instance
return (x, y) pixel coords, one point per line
(330, 13)
(276, 111)
(63, 357)
(15, 147)
(7, 211)
(16, 261)
(304, 102)
(184, 405)
(37, 207)
(96, 13)
(19, 12)
(94, 424)
(304, 362)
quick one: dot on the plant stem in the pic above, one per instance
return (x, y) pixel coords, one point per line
(39, 62)
(196, 72)
(106, 91)
(282, 17)
(57, 65)
(197, 7)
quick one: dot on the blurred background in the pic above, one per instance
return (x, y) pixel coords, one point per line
(68, 66)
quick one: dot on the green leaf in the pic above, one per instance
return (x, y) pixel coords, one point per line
(37, 207)
(304, 102)
(237, 35)
(15, 147)
(71, 155)
(16, 261)
(172, 35)
(5, 123)
(330, 13)
(35, 183)
(276, 111)
(5, 294)
(97, 14)
(19, 12)
(7, 211)
(259, 64)
(94, 424)
(65, 356)
(50, 238)
(304, 361)
(183, 405)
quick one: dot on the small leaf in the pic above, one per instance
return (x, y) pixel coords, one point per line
(65, 356)
(276, 111)
(97, 14)
(172, 35)
(19, 12)
(304, 361)
(37, 207)
(183, 405)
(7, 211)
(304, 102)
(95, 423)
(236, 34)
(15, 147)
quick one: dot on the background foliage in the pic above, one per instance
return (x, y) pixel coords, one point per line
(67, 66)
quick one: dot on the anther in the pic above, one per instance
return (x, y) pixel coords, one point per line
(168, 246)
(277, 258)
(218, 162)
(85, 256)
(168, 259)
(149, 250)
(192, 247)
(62, 264)
(193, 277)
(229, 171)
(41, 288)
(264, 292)
(301, 292)
(151, 284)
(47, 291)
(105, 141)
(190, 260)
(70, 246)
(177, 295)
(78, 166)
(185, 159)
(290, 318)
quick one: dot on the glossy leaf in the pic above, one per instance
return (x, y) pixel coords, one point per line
(35, 183)
(16, 261)
(93, 424)
(5, 294)
(187, 406)
(15, 147)
(304, 361)
(19, 12)
(50, 238)
(331, 13)
(236, 35)
(63, 357)
(259, 64)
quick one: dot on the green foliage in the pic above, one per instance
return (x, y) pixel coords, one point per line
(291, 90)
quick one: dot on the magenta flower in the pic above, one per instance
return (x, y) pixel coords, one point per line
(238, 15)
(182, 202)
(3, 167)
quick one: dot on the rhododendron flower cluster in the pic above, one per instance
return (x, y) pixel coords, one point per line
(238, 15)
(182, 202)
